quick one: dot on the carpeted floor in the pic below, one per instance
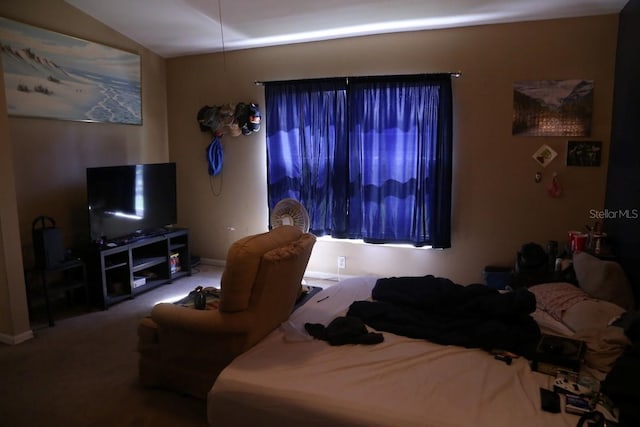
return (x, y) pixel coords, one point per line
(83, 371)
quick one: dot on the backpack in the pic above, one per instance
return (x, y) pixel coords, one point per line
(532, 258)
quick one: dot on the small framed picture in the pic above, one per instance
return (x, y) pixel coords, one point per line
(544, 155)
(584, 153)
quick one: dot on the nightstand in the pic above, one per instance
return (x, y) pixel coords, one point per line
(64, 277)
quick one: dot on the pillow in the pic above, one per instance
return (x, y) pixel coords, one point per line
(603, 280)
(591, 314)
(583, 318)
(556, 298)
(591, 320)
(550, 326)
(604, 347)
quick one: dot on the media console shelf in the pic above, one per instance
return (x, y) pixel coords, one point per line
(129, 269)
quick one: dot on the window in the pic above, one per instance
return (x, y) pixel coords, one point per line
(370, 158)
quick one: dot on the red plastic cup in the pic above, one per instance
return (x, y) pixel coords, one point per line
(572, 239)
(580, 242)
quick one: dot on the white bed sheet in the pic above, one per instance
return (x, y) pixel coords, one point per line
(289, 379)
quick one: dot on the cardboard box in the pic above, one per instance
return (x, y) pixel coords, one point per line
(138, 281)
(174, 262)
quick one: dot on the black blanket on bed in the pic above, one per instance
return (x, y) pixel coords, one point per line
(441, 311)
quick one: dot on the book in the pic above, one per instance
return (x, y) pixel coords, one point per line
(577, 404)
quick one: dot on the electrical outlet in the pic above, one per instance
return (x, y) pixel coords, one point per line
(342, 262)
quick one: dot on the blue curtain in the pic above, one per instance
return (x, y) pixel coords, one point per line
(370, 159)
(307, 147)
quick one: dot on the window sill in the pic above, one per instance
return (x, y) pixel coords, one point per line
(362, 242)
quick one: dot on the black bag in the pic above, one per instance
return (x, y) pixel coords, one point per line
(532, 259)
(48, 246)
(531, 267)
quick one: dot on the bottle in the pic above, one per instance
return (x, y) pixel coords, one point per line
(598, 247)
(552, 254)
(199, 299)
(558, 266)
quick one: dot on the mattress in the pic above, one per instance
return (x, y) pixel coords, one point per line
(290, 379)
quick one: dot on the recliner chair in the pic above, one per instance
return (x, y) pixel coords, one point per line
(184, 349)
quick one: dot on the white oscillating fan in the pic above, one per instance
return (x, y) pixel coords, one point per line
(290, 212)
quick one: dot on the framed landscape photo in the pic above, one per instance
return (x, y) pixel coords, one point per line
(55, 76)
(552, 107)
(584, 153)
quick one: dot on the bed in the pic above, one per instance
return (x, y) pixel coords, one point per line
(292, 379)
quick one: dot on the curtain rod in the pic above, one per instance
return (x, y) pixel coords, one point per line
(455, 74)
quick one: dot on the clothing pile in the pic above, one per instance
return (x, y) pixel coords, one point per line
(439, 310)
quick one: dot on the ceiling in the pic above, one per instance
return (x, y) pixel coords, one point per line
(183, 27)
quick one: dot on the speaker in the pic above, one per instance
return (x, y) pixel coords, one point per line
(48, 245)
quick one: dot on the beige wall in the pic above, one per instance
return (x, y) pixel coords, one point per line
(49, 157)
(14, 319)
(496, 205)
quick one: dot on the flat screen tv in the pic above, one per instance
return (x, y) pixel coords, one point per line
(130, 201)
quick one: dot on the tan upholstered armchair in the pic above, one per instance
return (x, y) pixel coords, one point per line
(184, 349)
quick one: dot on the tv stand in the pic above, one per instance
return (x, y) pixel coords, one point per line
(134, 237)
(132, 267)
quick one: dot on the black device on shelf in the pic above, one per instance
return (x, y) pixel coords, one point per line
(129, 202)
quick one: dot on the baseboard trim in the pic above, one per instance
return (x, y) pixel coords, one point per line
(327, 276)
(16, 339)
(214, 262)
(310, 274)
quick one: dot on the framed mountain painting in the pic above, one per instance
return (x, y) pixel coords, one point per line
(552, 107)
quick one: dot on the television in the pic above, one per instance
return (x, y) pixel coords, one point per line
(130, 201)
